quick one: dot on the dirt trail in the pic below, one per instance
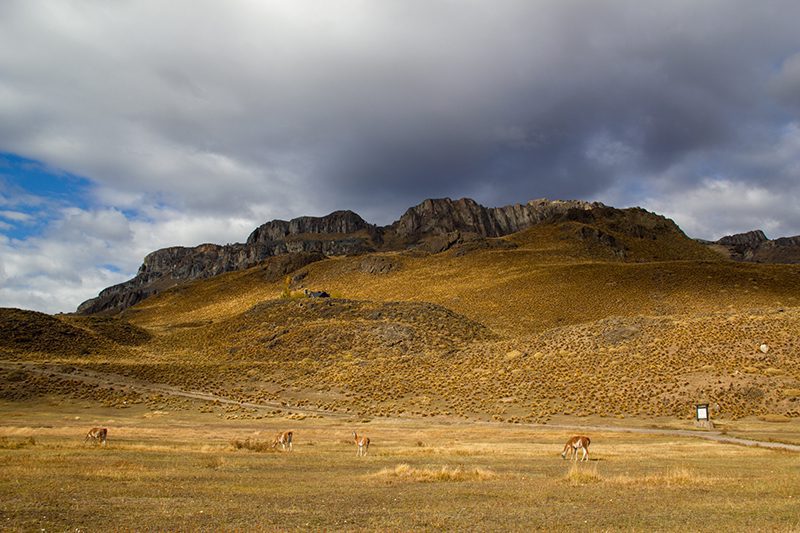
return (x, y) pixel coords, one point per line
(114, 380)
(707, 435)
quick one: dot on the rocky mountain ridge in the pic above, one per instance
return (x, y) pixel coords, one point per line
(754, 246)
(432, 226)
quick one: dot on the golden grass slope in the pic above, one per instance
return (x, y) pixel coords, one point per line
(549, 280)
(34, 332)
(537, 324)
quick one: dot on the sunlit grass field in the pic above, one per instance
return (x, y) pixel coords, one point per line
(179, 471)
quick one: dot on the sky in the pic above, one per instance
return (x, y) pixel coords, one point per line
(128, 126)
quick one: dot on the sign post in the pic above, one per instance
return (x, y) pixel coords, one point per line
(703, 416)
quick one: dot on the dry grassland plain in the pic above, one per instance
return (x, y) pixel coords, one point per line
(181, 471)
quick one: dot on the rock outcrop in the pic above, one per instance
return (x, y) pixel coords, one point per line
(433, 226)
(751, 239)
(303, 240)
(170, 267)
(754, 246)
(437, 217)
(340, 233)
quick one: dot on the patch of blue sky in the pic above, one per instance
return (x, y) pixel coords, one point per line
(32, 193)
(111, 268)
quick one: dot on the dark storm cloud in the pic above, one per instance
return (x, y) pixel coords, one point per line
(221, 104)
(199, 120)
(599, 94)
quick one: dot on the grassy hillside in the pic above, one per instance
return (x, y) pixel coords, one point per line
(564, 318)
(30, 332)
(545, 278)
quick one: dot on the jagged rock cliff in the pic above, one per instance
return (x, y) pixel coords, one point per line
(303, 240)
(755, 247)
(351, 232)
(442, 216)
(751, 239)
(434, 225)
(167, 268)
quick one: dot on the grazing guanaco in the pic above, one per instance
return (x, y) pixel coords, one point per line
(97, 434)
(362, 442)
(284, 439)
(578, 442)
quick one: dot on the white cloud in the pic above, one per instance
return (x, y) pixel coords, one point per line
(82, 252)
(737, 207)
(16, 216)
(757, 186)
(75, 224)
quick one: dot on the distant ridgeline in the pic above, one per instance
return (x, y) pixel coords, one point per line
(434, 226)
(756, 247)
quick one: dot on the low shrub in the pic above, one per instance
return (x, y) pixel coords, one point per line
(253, 445)
(8, 444)
(582, 475)
(405, 472)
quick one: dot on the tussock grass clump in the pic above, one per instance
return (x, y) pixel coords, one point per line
(8, 444)
(406, 472)
(582, 475)
(213, 462)
(253, 445)
(771, 417)
(292, 295)
(674, 477)
(472, 451)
